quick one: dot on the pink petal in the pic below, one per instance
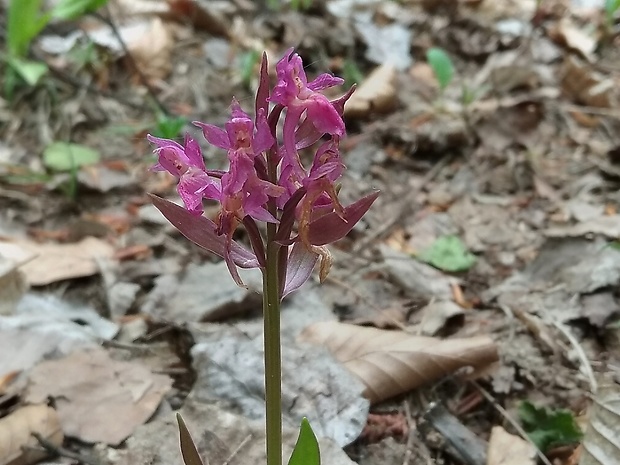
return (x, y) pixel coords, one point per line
(263, 139)
(160, 143)
(193, 153)
(306, 134)
(214, 135)
(201, 231)
(324, 116)
(339, 103)
(301, 262)
(192, 202)
(325, 81)
(331, 227)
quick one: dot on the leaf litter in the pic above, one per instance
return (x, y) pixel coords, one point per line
(510, 154)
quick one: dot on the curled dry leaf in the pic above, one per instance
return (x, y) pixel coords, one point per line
(392, 362)
(601, 443)
(18, 446)
(508, 449)
(376, 94)
(152, 51)
(56, 262)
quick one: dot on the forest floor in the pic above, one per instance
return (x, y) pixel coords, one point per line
(484, 279)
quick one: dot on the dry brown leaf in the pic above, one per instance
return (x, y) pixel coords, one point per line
(376, 94)
(393, 362)
(567, 32)
(6, 380)
(601, 443)
(508, 449)
(56, 262)
(18, 446)
(98, 399)
(13, 285)
(584, 84)
(152, 51)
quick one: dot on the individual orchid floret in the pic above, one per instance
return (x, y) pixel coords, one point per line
(241, 134)
(294, 92)
(186, 163)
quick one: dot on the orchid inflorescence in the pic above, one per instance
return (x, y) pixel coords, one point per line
(266, 180)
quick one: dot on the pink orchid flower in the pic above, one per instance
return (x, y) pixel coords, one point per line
(186, 163)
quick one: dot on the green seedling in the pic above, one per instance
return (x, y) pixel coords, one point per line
(351, 73)
(86, 55)
(248, 63)
(65, 156)
(549, 428)
(299, 5)
(611, 7)
(169, 126)
(69, 157)
(296, 5)
(448, 253)
(441, 65)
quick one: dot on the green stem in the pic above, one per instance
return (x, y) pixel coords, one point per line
(273, 359)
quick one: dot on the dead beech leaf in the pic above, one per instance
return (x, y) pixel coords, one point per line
(152, 51)
(568, 33)
(393, 362)
(18, 446)
(57, 262)
(376, 94)
(586, 85)
(508, 449)
(98, 399)
(601, 442)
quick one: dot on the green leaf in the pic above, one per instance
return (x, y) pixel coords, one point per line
(73, 9)
(351, 73)
(25, 19)
(64, 156)
(248, 62)
(548, 428)
(306, 451)
(188, 446)
(298, 5)
(611, 6)
(448, 253)
(29, 71)
(442, 66)
(169, 127)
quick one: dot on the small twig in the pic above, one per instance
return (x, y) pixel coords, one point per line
(587, 366)
(143, 79)
(78, 84)
(512, 421)
(591, 110)
(237, 449)
(62, 452)
(406, 207)
(412, 439)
